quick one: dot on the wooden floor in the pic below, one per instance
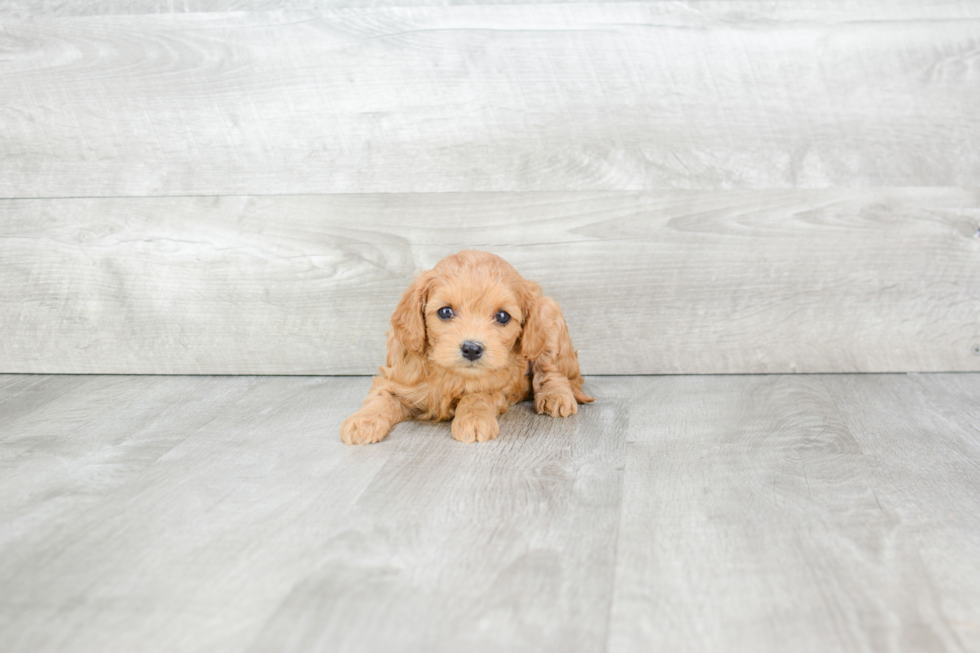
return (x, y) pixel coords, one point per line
(684, 513)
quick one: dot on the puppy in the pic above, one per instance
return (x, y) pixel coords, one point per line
(468, 340)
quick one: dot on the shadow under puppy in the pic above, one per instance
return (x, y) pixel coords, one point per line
(468, 340)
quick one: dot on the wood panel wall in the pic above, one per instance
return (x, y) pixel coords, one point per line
(706, 187)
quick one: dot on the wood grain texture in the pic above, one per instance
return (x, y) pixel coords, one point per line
(532, 97)
(505, 547)
(755, 518)
(260, 526)
(68, 441)
(179, 530)
(922, 433)
(731, 9)
(736, 513)
(672, 282)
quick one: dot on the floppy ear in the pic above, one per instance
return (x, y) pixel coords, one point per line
(533, 332)
(408, 322)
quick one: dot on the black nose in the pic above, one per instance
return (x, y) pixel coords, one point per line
(471, 350)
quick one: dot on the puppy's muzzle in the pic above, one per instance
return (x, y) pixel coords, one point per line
(471, 350)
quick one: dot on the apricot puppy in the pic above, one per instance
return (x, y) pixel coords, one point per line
(468, 340)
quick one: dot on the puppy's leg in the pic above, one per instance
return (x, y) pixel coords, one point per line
(553, 394)
(381, 411)
(476, 417)
(555, 372)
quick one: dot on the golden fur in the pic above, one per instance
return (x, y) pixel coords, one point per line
(427, 377)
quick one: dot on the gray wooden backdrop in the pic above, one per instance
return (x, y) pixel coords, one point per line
(706, 187)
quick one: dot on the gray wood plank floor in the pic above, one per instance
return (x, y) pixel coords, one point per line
(712, 513)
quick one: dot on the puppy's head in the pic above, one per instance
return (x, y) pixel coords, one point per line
(466, 314)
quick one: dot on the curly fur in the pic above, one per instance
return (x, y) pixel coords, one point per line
(426, 376)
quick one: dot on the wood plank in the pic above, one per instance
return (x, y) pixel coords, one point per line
(923, 434)
(615, 96)
(731, 9)
(23, 394)
(222, 492)
(672, 282)
(67, 441)
(753, 520)
(505, 546)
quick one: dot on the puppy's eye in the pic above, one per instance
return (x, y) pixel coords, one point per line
(502, 317)
(445, 313)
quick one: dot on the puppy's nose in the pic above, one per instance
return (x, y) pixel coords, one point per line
(471, 350)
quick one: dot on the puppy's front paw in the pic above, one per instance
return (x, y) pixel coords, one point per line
(557, 403)
(364, 428)
(474, 428)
